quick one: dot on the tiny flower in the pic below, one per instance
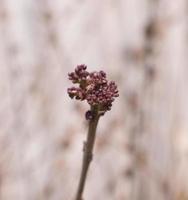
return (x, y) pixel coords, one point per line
(80, 74)
(78, 93)
(94, 88)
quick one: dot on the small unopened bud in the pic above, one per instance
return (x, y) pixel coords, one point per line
(89, 115)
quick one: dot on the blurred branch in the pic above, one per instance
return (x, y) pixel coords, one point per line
(88, 154)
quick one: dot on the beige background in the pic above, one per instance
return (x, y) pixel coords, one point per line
(141, 150)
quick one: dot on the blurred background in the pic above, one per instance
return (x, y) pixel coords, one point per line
(141, 150)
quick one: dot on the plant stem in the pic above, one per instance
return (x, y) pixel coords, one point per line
(87, 155)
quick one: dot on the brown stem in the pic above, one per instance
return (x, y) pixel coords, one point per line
(87, 155)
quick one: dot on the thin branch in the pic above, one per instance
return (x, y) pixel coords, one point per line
(99, 94)
(88, 154)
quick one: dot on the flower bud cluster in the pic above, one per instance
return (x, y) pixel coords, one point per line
(94, 88)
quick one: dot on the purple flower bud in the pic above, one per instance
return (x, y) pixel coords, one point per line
(94, 88)
(103, 74)
(89, 115)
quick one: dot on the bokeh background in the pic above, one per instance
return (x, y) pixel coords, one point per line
(141, 150)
